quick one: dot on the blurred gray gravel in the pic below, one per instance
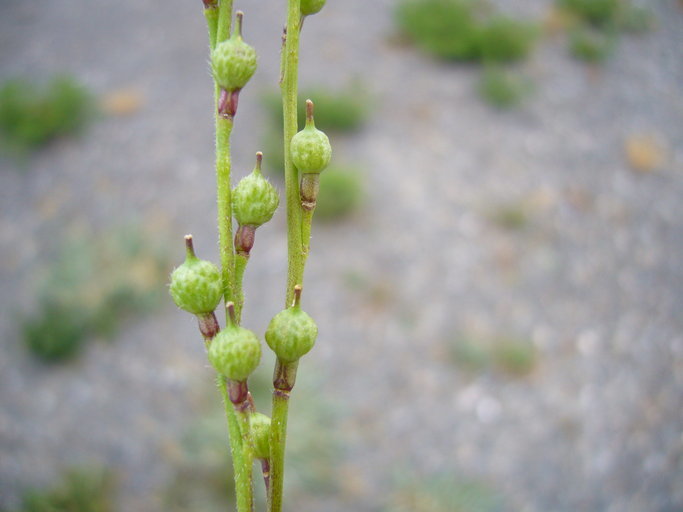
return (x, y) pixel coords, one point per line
(595, 280)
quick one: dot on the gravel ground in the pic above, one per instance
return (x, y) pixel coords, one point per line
(594, 278)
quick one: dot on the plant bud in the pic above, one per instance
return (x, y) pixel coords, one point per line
(235, 352)
(196, 285)
(310, 148)
(309, 7)
(259, 425)
(254, 199)
(291, 333)
(233, 61)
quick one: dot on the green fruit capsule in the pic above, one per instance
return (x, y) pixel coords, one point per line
(309, 7)
(310, 148)
(233, 61)
(291, 333)
(259, 425)
(254, 199)
(235, 352)
(196, 284)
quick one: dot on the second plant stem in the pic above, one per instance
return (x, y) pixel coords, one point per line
(295, 255)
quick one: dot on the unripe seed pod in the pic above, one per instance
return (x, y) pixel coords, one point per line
(196, 285)
(292, 332)
(233, 61)
(259, 425)
(254, 199)
(310, 148)
(309, 7)
(235, 352)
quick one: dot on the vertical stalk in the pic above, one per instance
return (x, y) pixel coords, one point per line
(236, 450)
(223, 163)
(247, 495)
(295, 257)
(306, 222)
(240, 266)
(238, 422)
(278, 437)
(295, 263)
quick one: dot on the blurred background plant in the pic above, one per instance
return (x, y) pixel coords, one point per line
(595, 25)
(34, 114)
(79, 489)
(465, 30)
(92, 287)
(444, 493)
(502, 87)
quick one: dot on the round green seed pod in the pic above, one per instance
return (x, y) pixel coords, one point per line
(235, 352)
(196, 285)
(254, 199)
(259, 425)
(291, 334)
(310, 148)
(309, 7)
(233, 61)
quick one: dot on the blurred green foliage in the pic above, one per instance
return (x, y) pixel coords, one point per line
(341, 192)
(445, 493)
(599, 23)
(503, 88)
(511, 215)
(595, 12)
(344, 110)
(591, 45)
(505, 354)
(465, 30)
(93, 285)
(80, 490)
(31, 115)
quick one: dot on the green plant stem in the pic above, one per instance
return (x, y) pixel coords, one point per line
(240, 266)
(306, 223)
(223, 132)
(236, 449)
(224, 20)
(278, 438)
(245, 478)
(211, 16)
(295, 256)
(295, 259)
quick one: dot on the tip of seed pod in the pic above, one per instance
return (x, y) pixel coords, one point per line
(309, 110)
(259, 159)
(297, 295)
(238, 23)
(189, 246)
(230, 306)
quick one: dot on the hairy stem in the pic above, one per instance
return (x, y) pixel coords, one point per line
(224, 20)
(241, 261)
(245, 478)
(295, 266)
(306, 222)
(223, 132)
(211, 16)
(236, 450)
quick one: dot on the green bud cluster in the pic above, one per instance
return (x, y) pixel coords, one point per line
(259, 425)
(292, 332)
(233, 61)
(196, 284)
(254, 199)
(235, 352)
(309, 7)
(310, 148)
